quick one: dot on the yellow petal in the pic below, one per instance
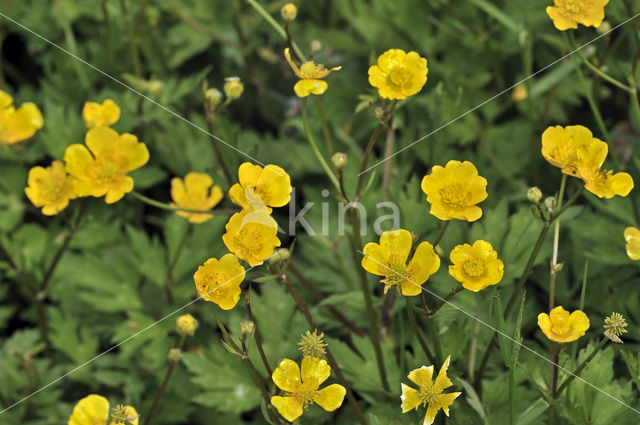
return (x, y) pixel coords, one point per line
(5, 99)
(274, 186)
(293, 66)
(289, 407)
(178, 190)
(410, 398)
(424, 263)
(432, 411)
(442, 381)
(135, 152)
(101, 140)
(248, 174)
(375, 259)
(314, 371)
(77, 158)
(632, 237)
(91, 410)
(118, 188)
(422, 376)
(331, 397)
(398, 244)
(445, 400)
(238, 197)
(559, 21)
(287, 375)
(304, 88)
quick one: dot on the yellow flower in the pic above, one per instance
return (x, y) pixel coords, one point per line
(454, 191)
(196, 192)
(252, 236)
(477, 266)
(302, 387)
(102, 169)
(632, 237)
(50, 188)
(260, 188)
(233, 87)
(430, 393)
(311, 76)
(560, 147)
(569, 13)
(94, 410)
(389, 259)
(398, 74)
(560, 326)
(605, 184)
(100, 115)
(19, 124)
(219, 281)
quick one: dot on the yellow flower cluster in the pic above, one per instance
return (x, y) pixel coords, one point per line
(98, 168)
(302, 387)
(567, 14)
(577, 153)
(94, 410)
(430, 393)
(19, 124)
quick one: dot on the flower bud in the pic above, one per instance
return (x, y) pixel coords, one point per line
(174, 355)
(339, 160)
(378, 112)
(280, 255)
(316, 46)
(520, 92)
(247, 327)
(289, 12)
(213, 97)
(186, 325)
(534, 194)
(233, 87)
(155, 87)
(550, 203)
(604, 28)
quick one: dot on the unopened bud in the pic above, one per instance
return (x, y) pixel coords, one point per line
(550, 203)
(279, 256)
(339, 160)
(213, 97)
(378, 112)
(155, 87)
(604, 28)
(534, 194)
(186, 325)
(174, 355)
(289, 12)
(247, 327)
(316, 46)
(233, 87)
(520, 92)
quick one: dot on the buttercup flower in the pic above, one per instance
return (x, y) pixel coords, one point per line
(100, 115)
(219, 281)
(102, 168)
(195, 192)
(477, 266)
(19, 124)
(233, 87)
(560, 326)
(302, 387)
(94, 410)
(252, 236)
(632, 237)
(389, 259)
(560, 146)
(50, 188)
(398, 74)
(311, 76)
(569, 13)
(430, 393)
(454, 191)
(261, 188)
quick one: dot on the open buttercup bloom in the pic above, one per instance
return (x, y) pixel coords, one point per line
(454, 190)
(219, 281)
(50, 188)
(476, 266)
(398, 74)
(100, 115)
(302, 387)
(430, 393)
(261, 188)
(252, 236)
(389, 259)
(567, 14)
(19, 124)
(100, 168)
(560, 326)
(632, 237)
(94, 410)
(195, 192)
(311, 76)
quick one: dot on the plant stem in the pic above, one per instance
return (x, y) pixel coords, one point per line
(388, 150)
(416, 329)
(325, 125)
(210, 117)
(556, 239)
(332, 361)
(164, 206)
(554, 355)
(315, 149)
(445, 300)
(582, 365)
(365, 159)
(445, 225)
(163, 386)
(356, 242)
(275, 25)
(256, 335)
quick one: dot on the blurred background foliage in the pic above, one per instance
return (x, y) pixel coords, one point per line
(121, 273)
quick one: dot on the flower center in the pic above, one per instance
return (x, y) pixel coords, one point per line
(400, 76)
(455, 196)
(308, 69)
(560, 326)
(107, 167)
(304, 394)
(575, 6)
(474, 267)
(428, 394)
